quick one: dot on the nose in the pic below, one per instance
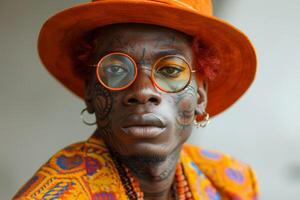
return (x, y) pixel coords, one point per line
(142, 91)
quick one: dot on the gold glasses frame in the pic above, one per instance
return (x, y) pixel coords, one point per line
(98, 65)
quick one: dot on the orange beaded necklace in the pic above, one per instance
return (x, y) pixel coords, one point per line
(180, 186)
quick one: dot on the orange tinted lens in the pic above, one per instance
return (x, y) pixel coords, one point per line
(116, 71)
(171, 74)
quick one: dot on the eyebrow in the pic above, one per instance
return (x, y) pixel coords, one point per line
(157, 55)
(168, 52)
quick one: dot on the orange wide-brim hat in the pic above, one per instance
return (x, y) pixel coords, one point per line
(193, 17)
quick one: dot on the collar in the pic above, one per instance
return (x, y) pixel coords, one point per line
(104, 180)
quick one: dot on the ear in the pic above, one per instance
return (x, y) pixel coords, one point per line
(88, 96)
(201, 98)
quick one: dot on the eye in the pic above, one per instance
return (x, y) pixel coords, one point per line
(115, 70)
(170, 71)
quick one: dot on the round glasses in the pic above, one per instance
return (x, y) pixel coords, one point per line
(117, 71)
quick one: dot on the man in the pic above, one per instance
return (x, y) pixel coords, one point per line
(147, 86)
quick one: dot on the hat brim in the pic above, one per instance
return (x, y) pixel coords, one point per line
(237, 55)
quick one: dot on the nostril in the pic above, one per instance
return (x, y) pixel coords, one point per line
(153, 100)
(132, 101)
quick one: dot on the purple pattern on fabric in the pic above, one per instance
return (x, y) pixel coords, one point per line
(235, 175)
(210, 154)
(67, 163)
(56, 191)
(92, 165)
(212, 193)
(104, 196)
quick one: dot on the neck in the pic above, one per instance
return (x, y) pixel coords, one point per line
(155, 175)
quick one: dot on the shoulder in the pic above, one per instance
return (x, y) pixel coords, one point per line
(231, 177)
(62, 175)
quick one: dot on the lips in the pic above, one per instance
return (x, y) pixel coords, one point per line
(147, 125)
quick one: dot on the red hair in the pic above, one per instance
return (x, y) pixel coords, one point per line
(207, 60)
(82, 54)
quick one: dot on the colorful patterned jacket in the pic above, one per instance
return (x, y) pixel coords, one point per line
(86, 171)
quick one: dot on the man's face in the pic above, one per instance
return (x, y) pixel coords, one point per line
(142, 120)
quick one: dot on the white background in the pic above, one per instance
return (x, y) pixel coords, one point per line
(39, 117)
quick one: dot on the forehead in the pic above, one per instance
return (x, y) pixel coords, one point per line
(142, 40)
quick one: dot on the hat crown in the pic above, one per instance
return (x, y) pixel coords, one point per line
(203, 7)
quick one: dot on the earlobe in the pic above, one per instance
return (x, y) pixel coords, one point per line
(88, 97)
(201, 100)
(89, 106)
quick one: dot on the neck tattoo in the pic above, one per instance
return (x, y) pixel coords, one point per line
(180, 188)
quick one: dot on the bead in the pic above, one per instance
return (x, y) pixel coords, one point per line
(188, 195)
(180, 178)
(181, 198)
(181, 184)
(179, 188)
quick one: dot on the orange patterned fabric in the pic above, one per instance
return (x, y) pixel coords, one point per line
(86, 171)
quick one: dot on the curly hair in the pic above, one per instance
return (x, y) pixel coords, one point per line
(207, 59)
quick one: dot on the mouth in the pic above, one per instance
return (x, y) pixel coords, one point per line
(143, 131)
(144, 126)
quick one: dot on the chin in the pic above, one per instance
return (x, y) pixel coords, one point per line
(150, 159)
(144, 158)
(149, 151)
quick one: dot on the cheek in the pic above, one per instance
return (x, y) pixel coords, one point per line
(186, 106)
(103, 104)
